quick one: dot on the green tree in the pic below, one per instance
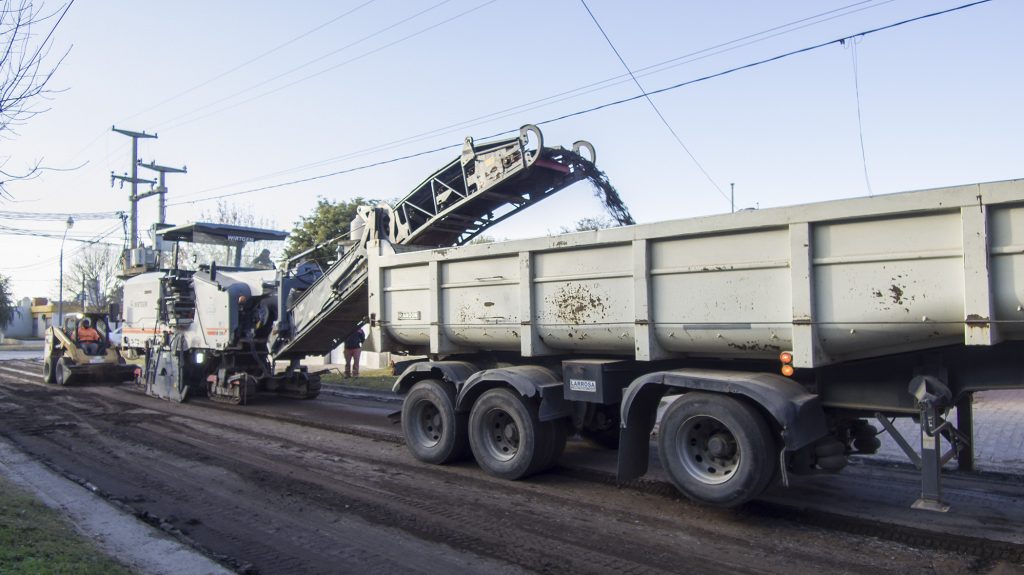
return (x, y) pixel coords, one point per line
(589, 224)
(8, 307)
(328, 221)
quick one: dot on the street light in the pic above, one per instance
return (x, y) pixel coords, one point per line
(60, 301)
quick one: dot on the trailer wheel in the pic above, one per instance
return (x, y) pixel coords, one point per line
(717, 450)
(433, 431)
(507, 439)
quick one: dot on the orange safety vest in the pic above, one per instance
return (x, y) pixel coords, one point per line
(88, 334)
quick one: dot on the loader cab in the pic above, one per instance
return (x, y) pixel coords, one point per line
(99, 321)
(205, 246)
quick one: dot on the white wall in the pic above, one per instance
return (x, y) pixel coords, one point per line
(21, 326)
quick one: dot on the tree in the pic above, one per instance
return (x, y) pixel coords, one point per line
(235, 215)
(25, 73)
(190, 255)
(589, 224)
(92, 277)
(8, 307)
(329, 220)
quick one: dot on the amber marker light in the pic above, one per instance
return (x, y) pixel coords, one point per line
(786, 358)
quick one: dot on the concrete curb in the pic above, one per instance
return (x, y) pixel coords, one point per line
(122, 536)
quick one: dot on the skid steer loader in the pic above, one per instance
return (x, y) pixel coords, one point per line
(67, 360)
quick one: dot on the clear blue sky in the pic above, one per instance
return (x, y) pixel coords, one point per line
(940, 103)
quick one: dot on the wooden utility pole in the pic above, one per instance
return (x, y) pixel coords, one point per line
(161, 188)
(134, 179)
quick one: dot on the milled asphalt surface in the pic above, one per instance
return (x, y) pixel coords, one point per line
(999, 447)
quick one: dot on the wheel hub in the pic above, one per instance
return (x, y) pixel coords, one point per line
(502, 436)
(431, 426)
(721, 446)
(708, 450)
(510, 433)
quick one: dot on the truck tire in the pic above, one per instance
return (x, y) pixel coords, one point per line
(433, 431)
(507, 439)
(717, 450)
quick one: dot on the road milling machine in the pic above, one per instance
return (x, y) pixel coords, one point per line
(208, 324)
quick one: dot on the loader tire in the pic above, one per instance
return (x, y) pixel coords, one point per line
(50, 370)
(63, 372)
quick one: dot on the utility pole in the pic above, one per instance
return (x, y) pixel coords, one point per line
(161, 188)
(135, 181)
(60, 296)
(732, 197)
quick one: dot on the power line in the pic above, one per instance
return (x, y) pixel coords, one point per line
(4, 230)
(97, 238)
(322, 176)
(762, 62)
(7, 230)
(311, 62)
(651, 102)
(252, 60)
(652, 69)
(56, 216)
(613, 103)
(860, 121)
(227, 72)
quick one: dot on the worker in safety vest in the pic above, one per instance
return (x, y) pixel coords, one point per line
(88, 337)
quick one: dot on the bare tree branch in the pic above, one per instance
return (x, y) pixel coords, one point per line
(25, 72)
(92, 277)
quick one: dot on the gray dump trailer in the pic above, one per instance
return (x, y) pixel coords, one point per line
(785, 337)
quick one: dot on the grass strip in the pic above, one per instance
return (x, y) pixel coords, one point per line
(36, 540)
(377, 379)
